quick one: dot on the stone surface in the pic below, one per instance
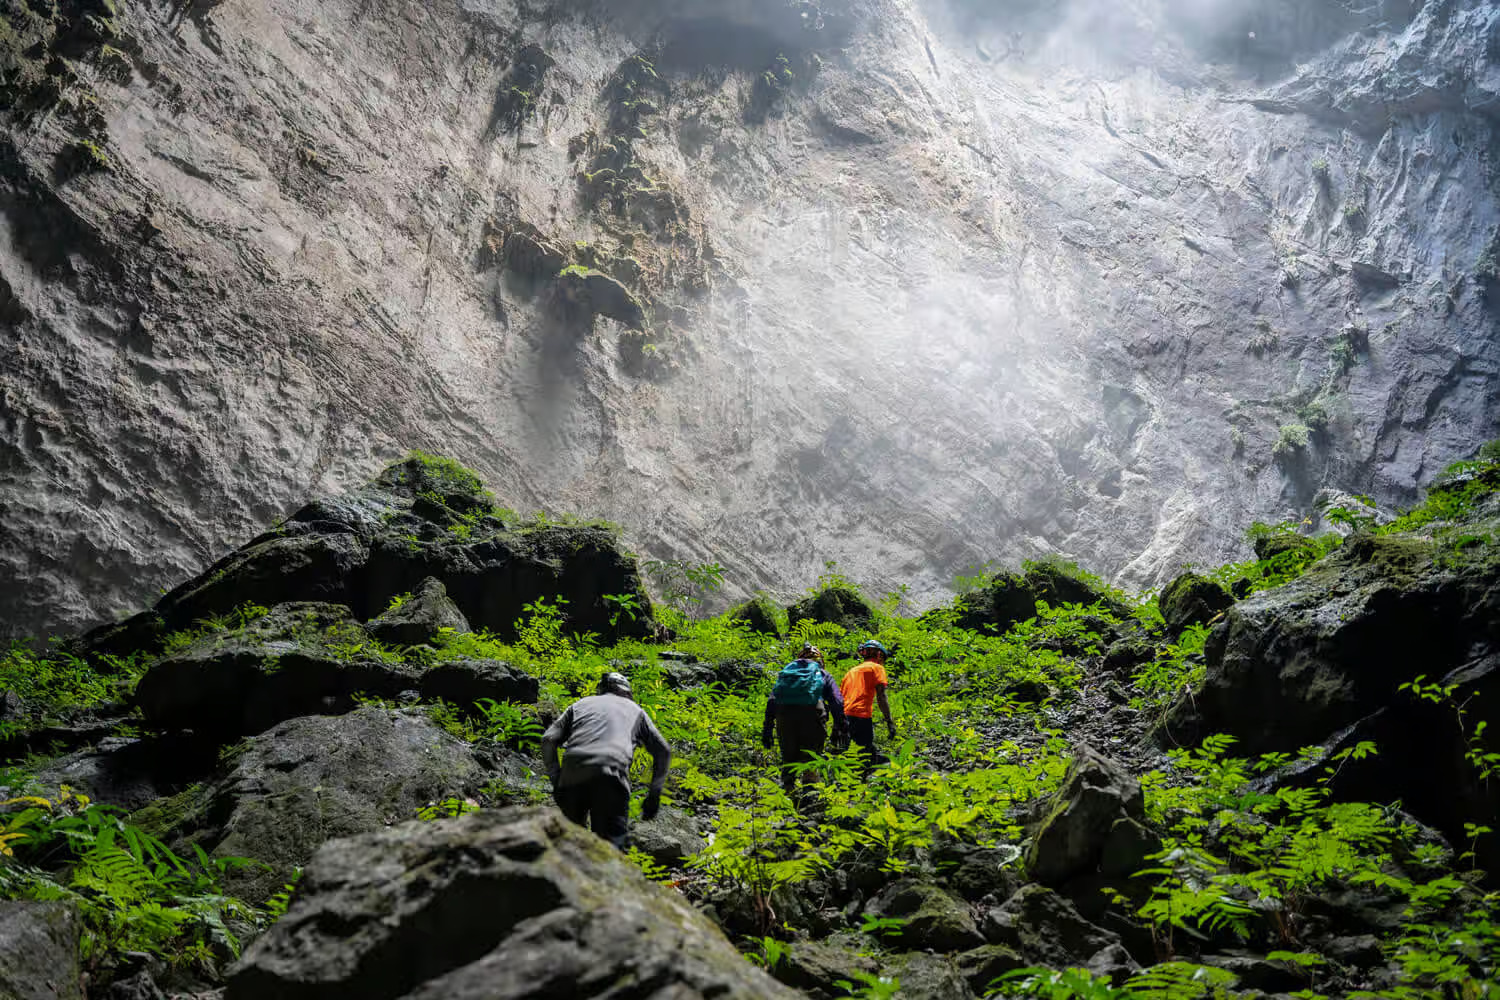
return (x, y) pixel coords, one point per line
(467, 682)
(39, 957)
(815, 967)
(1096, 793)
(983, 965)
(420, 619)
(1192, 600)
(510, 904)
(283, 794)
(934, 919)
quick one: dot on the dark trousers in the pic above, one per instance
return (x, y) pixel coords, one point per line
(862, 735)
(602, 804)
(801, 732)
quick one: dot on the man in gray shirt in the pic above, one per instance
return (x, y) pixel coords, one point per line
(599, 736)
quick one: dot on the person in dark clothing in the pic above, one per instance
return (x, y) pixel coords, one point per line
(795, 713)
(599, 735)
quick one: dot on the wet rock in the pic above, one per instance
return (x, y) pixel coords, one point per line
(421, 619)
(467, 682)
(837, 605)
(670, 838)
(1046, 930)
(130, 772)
(757, 614)
(283, 794)
(978, 873)
(1358, 950)
(1125, 657)
(39, 957)
(982, 966)
(933, 918)
(1192, 600)
(1096, 793)
(515, 903)
(300, 659)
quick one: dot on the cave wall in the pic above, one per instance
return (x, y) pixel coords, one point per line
(922, 283)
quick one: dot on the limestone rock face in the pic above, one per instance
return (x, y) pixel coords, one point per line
(921, 302)
(39, 951)
(494, 906)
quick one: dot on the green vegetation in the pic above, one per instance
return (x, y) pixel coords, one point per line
(1291, 440)
(133, 893)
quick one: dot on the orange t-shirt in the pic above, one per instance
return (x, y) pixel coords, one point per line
(859, 687)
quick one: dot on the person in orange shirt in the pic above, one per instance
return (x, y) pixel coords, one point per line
(863, 687)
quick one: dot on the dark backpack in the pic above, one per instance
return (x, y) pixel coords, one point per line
(799, 683)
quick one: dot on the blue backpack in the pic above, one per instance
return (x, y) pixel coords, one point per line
(799, 683)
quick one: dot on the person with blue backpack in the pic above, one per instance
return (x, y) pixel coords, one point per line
(795, 713)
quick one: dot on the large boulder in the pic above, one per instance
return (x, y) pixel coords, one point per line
(420, 518)
(282, 794)
(836, 605)
(1301, 664)
(1192, 599)
(1005, 601)
(39, 958)
(510, 904)
(670, 838)
(1099, 803)
(300, 659)
(816, 967)
(422, 619)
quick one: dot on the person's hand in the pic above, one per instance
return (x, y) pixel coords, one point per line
(890, 727)
(651, 806)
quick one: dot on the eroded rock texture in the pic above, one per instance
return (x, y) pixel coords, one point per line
(930, 281)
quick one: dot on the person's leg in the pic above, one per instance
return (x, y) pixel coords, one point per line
(573, 800)
(788, 737)
(814, 738)
(862, 735)
(609, 809)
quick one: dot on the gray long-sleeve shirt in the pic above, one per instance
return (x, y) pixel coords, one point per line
(599, 734)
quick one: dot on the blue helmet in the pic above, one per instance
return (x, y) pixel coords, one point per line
(871, 645)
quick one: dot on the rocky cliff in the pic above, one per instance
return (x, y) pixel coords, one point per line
(903, 283)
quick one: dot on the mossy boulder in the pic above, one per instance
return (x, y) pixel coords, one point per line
(933, 918)
(1192, 599)
(1045, 929)
(758, 614)
(836, 605)
(466, 683)
(422, 619)
(1096, 793)
(1002, 603)
(1279, 543)
(421, 518)
(815, 967)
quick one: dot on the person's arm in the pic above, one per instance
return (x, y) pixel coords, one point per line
(768, 729)
(834, 699)
(885, 707)
(648, 736)
(555, 736)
